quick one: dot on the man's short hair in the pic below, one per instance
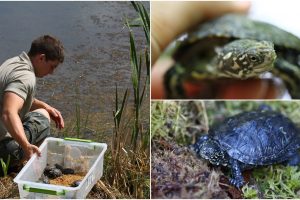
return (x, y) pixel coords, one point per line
(48, 45)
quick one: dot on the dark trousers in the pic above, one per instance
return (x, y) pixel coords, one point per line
(36, 127)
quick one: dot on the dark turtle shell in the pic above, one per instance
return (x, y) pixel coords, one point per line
(259, 137)
(52, 172)
(76, 183)
(68, 171)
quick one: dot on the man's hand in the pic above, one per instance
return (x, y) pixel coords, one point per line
(170, 19)
(56, 117)
(30, 149)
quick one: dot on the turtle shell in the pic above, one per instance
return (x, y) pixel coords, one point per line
(76, 183)
(259, 137)
(231, 27)
(52, 172)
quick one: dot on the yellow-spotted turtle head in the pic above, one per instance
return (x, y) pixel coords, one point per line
(209, 149)
(246, 58)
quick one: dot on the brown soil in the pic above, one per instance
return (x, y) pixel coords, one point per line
(7, 187)
(66, 179)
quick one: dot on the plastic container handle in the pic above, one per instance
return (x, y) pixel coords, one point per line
(78, 140)
(44, 191)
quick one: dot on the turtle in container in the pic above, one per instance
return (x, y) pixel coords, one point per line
(234, 46)
(250, 139)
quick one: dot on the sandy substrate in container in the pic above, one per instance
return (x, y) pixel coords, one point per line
(66, 179)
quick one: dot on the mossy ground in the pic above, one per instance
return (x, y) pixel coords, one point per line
(176, 173)
(184, 121)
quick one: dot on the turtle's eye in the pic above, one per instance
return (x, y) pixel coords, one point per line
(254, 58)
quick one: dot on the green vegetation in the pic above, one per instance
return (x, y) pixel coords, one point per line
(179, 120)
(136, 61)
(250, 192)
(5, 165)
(128, 167)
(276, 182)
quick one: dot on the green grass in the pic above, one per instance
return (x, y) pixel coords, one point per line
(182, 121)
(160, 112)
(275, 182)
(5, 165)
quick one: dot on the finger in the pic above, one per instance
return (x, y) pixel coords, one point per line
(233, 89)
(244, 89)
(58, 124)
(53, 114)
(60, 121)
(170, 19)
(54, 111)
(157, 78)
(36, 150)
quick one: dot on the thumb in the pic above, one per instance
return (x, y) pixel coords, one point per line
(170, 19)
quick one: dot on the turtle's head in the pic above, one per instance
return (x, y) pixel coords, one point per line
(210, 150)
(246, 58)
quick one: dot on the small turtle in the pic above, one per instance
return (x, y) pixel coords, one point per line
(44, 179)
(76, 183)
(68, 171)
(250, 139)
(58, 166)
(64, 170)
(234, 46)
(52, 172)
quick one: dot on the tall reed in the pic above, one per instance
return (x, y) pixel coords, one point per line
(137, 62)
(129, 165)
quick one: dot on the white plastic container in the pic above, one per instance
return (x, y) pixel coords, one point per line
(82, 155)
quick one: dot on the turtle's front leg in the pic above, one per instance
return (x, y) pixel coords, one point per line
(173, 82)
(237, 179)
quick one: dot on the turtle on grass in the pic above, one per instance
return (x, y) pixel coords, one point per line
(235, 46)
(250, 139)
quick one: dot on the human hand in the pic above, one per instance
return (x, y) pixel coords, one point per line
(166, 26)
(56, 116)
(170, 19)
(30, 149)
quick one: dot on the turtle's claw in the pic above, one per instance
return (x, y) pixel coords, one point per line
(236, 182)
